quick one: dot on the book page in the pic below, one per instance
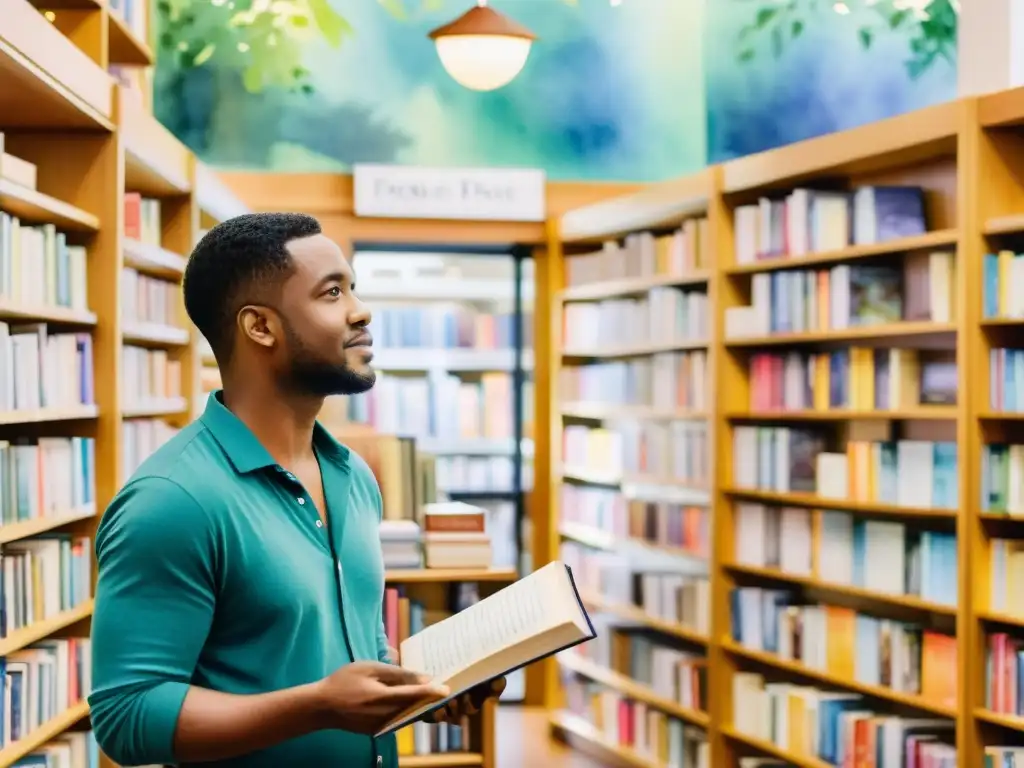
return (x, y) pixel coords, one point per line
(518, 612)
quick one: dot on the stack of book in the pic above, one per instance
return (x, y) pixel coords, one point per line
(401, 544)
(38, 267)
(455, 536)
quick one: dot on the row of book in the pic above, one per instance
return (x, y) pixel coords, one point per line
(1004, 674)
(643, 254)
(1000, 272)
(42, 577)
(71, 749)
(1006, 380)
(839, 548)
(142, 215)
(148, 375)
(146, 299)
(846, 296)
(909, 473)
(439, 405)
(41, 682)
(663, 316)
(444, 326)
(676, 597)
(1006, 576)
(662, 524)
(481, 474)
(837, 728)
(854, 378)
(139, 439)
(847, 644)
(675, 451)
(39, 268)
(49, 477)
(809, 221)
(1002, 479)
(666, 380)
(404, 616)
(43, 370)
(651, 734)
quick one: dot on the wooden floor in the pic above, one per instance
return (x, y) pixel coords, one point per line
(523, 742)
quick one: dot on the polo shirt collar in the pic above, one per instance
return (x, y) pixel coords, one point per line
(245, 452)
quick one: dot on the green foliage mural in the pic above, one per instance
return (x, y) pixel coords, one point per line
(930, 29)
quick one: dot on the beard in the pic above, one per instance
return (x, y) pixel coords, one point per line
(310, 374)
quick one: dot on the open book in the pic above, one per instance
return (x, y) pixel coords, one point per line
(534, 618)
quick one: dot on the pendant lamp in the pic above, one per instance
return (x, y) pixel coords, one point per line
(482, 49)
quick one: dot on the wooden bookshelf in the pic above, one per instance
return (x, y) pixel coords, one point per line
(966, 155)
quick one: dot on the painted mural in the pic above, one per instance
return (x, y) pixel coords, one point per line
(779, 72)
(635, 90)
(309, 85)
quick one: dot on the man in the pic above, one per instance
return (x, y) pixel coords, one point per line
(238, 618)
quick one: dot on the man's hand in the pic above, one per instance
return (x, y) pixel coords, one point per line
(362, 697)
(469, 703)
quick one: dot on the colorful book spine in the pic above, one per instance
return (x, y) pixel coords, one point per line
(664, 316)
(148, 375)
(887, 557)
(682, 253)
(40, 370)
(146, 299)
(142, 218)
(656, 452)
(443, 327)
(49, 478)
(1002, 479)
(43, 577)
(847, 644)
(668, 380)
(39, 268)
(906, 473)
(139, 440)
(1000, 273)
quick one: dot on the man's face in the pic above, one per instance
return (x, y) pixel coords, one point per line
(327, 347)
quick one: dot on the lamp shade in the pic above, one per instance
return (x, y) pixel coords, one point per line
(483, 49)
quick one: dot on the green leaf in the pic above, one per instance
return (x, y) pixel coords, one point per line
(866, 36)
(898, 18)
(395, 8)
(747, 54)
(764, 15)
(252, 79)
(332, 26)
(796, 28)
(204, 55)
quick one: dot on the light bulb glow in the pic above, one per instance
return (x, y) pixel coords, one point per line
(483, 62)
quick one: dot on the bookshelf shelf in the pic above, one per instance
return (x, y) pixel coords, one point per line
(35, 207)
(154, 334)
(45, 733)
(821, 502)
(610, 411)
(20, 638)
(1010, 722)
(163, 407)
(14, 531)
(633, 350)
(444, 760)
(48, 82)
(125, 46)
(1012, 224)
(48, 414)
(912, 701)
(600, 674)
(905, 602)
(153, 260)
(916, 333)
(637, 286)
(447, 575)
(924, 413)
(929, 240)
(56, 315)
(762, 747)
(156, 164)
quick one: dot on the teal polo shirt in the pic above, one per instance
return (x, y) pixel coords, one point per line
(215, 570)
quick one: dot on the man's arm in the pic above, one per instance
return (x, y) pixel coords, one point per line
(157, 559)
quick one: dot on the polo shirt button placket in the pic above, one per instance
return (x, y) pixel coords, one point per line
(380, 761)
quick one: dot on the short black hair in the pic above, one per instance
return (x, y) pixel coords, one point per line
(232, 264)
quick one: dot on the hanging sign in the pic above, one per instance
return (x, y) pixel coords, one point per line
(469, 194)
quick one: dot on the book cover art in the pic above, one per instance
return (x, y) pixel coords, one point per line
(876, 295)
